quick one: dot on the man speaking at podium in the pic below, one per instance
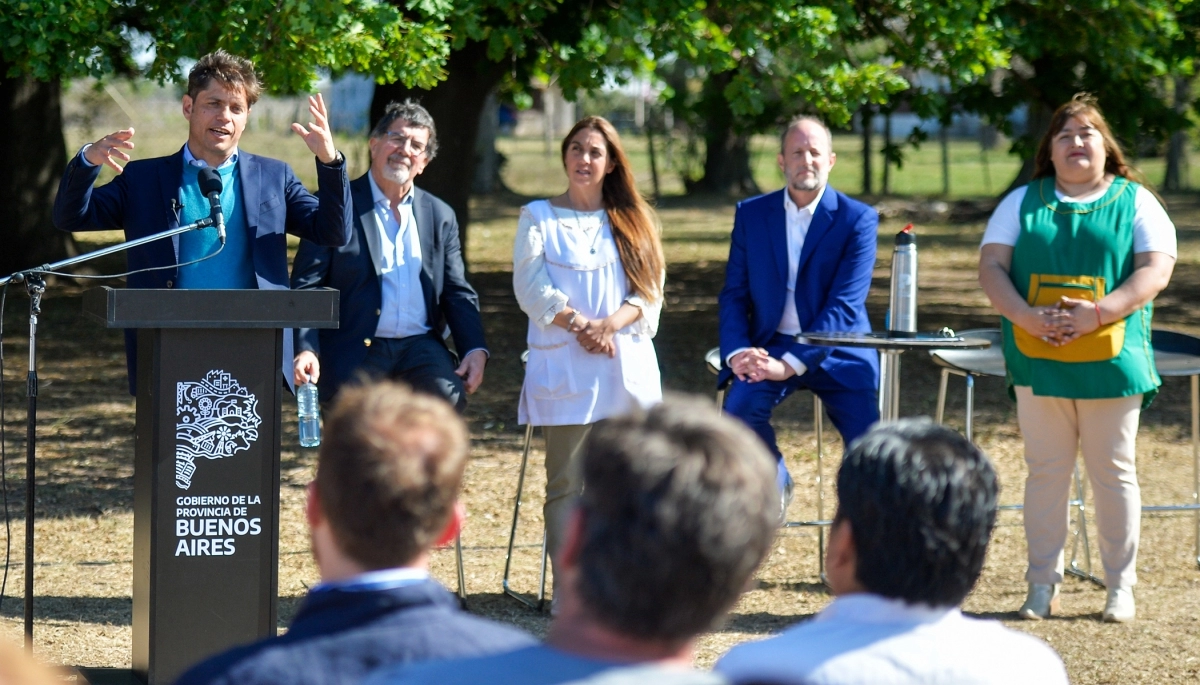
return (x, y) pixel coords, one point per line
(261, 198)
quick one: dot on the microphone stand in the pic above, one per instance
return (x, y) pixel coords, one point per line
(35, 286)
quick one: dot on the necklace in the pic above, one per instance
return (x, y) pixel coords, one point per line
(1089, 210)
(579, 223)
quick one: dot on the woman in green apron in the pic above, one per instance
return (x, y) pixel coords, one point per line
(1073, 261)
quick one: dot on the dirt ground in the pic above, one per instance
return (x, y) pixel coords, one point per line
(85, 472)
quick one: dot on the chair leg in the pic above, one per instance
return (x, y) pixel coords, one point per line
(721, 401)
(941, 401)
(1081, 534)
(462, 576)
(970, 406)
(819, 424)
(512, 535)
(1196, 459)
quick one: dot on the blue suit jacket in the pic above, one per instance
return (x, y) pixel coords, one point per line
(139, 200)
(339, 636)
(354, 270)
(832, 281)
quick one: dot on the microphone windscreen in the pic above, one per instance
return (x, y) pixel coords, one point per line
(210, 181)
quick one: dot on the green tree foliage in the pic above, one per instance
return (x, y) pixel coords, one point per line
(44, 41)
(1118, 50)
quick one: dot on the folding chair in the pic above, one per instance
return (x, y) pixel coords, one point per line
(540, 603)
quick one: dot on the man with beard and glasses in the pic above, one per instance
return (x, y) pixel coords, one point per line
(401, 278)
(800, 259)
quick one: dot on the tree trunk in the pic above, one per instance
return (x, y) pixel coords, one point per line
(31, 115)
(1177, 148)
(887, 156)
(455, 105)
(1038, 124)
(727, 152)
(487, 159)
(867, 122)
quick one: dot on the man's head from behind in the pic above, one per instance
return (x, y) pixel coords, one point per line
(679, 508)
(916, 507)
(388, 475)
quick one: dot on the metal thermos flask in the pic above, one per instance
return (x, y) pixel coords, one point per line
(902, 306)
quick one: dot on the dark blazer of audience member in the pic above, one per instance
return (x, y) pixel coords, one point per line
(676, 516)
(388, 477)
(390, 327)
(916, 508)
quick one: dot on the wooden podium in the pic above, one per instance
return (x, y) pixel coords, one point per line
(206, 463)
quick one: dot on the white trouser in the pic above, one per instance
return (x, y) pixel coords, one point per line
(1105, 431)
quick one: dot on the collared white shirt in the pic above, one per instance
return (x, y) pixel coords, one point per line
(383, 579)
(189, 158)
(865, 638)
(402, 313)
(796, 223)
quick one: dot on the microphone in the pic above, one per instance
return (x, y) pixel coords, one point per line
(210, 187)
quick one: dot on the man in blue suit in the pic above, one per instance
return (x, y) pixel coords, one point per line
(800, 260)
(262, 199)
(388, 476)
(401, 276)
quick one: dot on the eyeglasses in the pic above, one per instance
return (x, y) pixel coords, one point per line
(405, 142)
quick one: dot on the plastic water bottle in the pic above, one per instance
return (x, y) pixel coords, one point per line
(309, 409)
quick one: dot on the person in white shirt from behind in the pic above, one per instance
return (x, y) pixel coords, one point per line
(916, 507)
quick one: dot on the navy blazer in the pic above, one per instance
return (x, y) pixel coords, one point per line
(832, 281)
(339, 636)
(355, 270)
(141, 199)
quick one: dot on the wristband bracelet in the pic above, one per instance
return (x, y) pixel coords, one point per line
(571, 319)
(1099, 321)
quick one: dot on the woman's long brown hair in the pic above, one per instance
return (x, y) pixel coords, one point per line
(1084, 106)
(634, 227)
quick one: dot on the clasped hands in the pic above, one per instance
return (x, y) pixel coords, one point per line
(595, 336)
(1063, 322)
(756, 364)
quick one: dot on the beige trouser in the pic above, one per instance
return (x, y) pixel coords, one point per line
(1055, 428)
(564, 479)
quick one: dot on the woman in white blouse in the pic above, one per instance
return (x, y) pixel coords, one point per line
(588, 269)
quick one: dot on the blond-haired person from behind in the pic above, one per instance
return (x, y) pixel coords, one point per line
(588, 269)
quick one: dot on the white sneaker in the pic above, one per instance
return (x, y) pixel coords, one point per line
(1042, 601)
(1120, 607)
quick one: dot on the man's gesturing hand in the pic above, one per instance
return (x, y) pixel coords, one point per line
(306, 367)
(104, 150)
(317, 136)
(471, 370)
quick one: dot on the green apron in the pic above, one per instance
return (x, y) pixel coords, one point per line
(1088, 241)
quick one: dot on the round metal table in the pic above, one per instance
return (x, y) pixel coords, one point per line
(890, 347)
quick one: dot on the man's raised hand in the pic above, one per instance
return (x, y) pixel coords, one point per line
(317, 136)
(104, 151)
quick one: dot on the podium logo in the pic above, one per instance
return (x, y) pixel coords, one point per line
(217, 418)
